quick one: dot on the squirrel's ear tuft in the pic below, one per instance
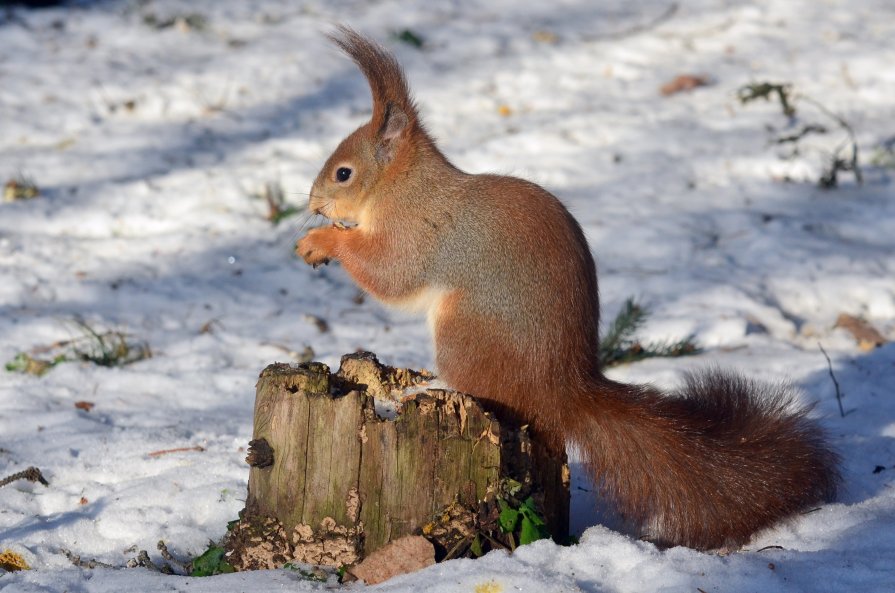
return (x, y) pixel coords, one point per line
(391, 94)
(393, 128)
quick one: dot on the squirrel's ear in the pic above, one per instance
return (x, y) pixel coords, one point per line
(388, 137)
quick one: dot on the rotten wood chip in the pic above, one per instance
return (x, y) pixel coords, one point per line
(407, 554)
(865, 334)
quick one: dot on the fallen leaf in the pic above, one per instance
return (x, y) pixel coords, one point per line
(489, 587)
(65, 143)
(544, 36)
(84, 405)
(83, 501)
(865, 334)
(19, 189)
(683, 82)
(407, 554)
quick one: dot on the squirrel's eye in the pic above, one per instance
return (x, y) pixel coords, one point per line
(343, 174)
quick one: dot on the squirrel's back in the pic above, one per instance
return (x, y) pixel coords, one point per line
(523, 282)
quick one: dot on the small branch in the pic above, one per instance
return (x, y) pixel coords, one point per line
(497, 544)
(145, 561)
(31, 474)
(177, 450)
(833, 377)
(806, 130)
(459, 547)
(664, 16)
(163, 550)
(76, 560)
(852, 163)
(764, 90)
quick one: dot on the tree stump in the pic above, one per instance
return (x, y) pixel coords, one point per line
(344, 463)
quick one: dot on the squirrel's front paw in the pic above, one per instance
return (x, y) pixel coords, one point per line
(314, 248)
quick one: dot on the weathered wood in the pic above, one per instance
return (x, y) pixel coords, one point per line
(358, 462)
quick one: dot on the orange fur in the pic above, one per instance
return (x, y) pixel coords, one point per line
(511, 291)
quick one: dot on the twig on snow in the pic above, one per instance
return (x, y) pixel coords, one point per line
(32, 474)
(145, 561)
(666, 15)
(198, 448)
(76, 560)
(163, 550)
(833, 377)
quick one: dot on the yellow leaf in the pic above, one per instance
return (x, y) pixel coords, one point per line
(489, 587)
(545, 37)
(65, 143)
(12, 561)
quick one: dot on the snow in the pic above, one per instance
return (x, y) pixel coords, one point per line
(147, 145)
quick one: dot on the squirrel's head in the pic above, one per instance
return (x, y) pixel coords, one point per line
(374, 155)
(363, 161)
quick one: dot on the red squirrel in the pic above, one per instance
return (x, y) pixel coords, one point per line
(504, 273)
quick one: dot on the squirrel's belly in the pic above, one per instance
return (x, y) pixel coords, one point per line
(427, 300)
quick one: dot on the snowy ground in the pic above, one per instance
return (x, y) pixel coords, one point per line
(148, 143)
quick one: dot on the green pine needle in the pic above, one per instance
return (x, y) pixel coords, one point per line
(619, 345)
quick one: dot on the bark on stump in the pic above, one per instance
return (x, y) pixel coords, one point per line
(344, 463)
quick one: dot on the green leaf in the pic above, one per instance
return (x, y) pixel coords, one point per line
(476, 547)
(409, 37)
(18, 364)
(24, 363)
(531, 532)
(533, 525)
(508, 517)
(530, 511)
(211, 562)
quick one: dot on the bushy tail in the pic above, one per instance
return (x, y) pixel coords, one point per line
(708, 466)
